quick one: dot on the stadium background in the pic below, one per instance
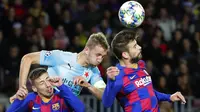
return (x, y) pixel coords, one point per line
(170, 37)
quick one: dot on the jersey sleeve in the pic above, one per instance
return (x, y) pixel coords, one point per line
(162, 96)
(111, 90)
(71, 99)
(96, 79)
(52, 58)
(21, 105)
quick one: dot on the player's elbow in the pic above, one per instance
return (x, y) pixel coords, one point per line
(26, 58)
(31, 58)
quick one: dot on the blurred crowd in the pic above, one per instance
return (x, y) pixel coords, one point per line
(169, 36)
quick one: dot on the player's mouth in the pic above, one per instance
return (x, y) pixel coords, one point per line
(50, 90)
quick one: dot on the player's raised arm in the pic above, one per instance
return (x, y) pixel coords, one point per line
(170, 97)
(21, 102)
(67, 95)
(27, 60)
(111, 90)
(48, 58)
(162, 96)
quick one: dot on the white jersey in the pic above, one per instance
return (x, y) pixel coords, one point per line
(64, 64)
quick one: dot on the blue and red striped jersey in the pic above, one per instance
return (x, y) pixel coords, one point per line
(134, 90)
(62, 101)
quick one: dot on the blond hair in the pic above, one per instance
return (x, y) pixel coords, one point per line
(97, 39)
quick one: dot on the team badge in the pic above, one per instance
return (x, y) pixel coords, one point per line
(48, 53)
(56, 106)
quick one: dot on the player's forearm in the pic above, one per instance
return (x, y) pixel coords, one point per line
(24, 70)
(162, 96)
(17, 106)
(71, 99)
(95, 91)
(27, 60)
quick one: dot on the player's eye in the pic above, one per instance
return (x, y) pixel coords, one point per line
(98, 54)
(41, 82)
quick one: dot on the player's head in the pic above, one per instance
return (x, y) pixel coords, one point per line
(125, 47)
(40, 82)
(96, 48)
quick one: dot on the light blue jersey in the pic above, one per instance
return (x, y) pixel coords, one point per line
(64, 64)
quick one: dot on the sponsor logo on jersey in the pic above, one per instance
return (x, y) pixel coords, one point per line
(35, 108)
(143, 81)
(132, 77)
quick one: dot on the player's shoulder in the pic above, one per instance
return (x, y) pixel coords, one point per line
(31, 95)
(142, 64)
(95, 70)
(60, 53)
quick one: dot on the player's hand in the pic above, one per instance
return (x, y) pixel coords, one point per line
(55, 81)
(12, 98)
(177, 97)
(79, 80)
(22, 93)
(112, 72)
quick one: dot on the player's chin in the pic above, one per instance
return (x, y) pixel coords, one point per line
(140, 56)
(95, 64)
(49, 94)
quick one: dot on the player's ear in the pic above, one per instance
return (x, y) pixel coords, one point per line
(125, 55)
(34, 88)
(86, 50)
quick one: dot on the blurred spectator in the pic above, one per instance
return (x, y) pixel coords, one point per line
(169, 78)
(170, 59)
(80, 33)
(61, 40)
(153, 72)
(187, 51)
(162, 86)
(17, 38)
(176, 9)
(167, 24)
(28, 27)
(11, 67)
(176, 43)
(55, 14)
(41, 39)
(20, 10)
(3, 47)
(196, 42)
(184, 85)
(153, 52)
(8, 21)
(105, 28)
(47, 30)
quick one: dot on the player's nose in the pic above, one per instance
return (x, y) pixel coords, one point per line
(99, 60)
(139, 47)
(47, 83)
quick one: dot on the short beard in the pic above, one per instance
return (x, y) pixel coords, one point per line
(135, 60)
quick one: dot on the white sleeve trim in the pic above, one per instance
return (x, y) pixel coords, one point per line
(100, 84)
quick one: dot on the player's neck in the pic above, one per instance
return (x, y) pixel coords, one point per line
(128, 64)
(82, 60)
(45, 99)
